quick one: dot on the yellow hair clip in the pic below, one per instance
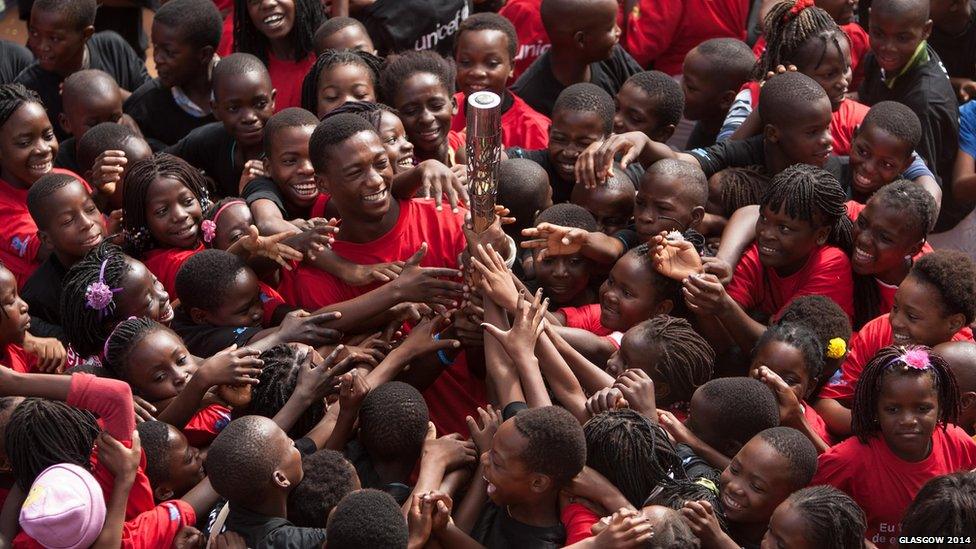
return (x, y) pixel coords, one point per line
(836, 348)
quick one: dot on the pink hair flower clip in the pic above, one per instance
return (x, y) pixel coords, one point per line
(209, 229)
(917, 358)
(99, 295)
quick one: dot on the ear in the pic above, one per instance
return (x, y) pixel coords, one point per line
(88, 31)
(540, 483)
(927, 31)
(770, 133)
(281, 479)
(916, 248)
(162, 493)
(454, 104)
(967, 399)
(822, 234)
(65, 124)
(44, 239)
(956, 322)
(664, 307)
(579, 38)
(199, 316)
(697, 215)
(205, 55)
(662, 389)
(663, 134)
(322, 182)
(725, 100)
(274, 94)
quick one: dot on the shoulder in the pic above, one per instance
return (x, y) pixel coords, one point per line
(150, 88)
(830, 257)
(34, 75)
(106, 40)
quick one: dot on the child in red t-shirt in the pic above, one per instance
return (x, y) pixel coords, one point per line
(484, 53)
(14, 322)
(532, 37)
(904, 410)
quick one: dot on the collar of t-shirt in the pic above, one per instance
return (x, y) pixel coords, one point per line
(184, 102)
(920, 57)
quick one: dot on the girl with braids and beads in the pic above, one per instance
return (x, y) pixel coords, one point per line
(282, 35)
(904, 416)
(339, 76)
(820, 517)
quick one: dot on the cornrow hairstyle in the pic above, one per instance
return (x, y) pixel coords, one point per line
(634, 454)
(587, 97)
(12, 96)
(334, 58)
(490, 21)
(329, 476)
(664, 94)
(198, 21)
(676, 493)
(742, 187)
(106, 136)
(84, 327)
(42, 433)
(78, 13)
(567, 214)
(369, 111)
(393, 422)
(895, 119)
(798, 451)
(833, 519)
(206, 277)
(953, 274)
(683, 359)
(292, 117)
(781, 94)
(154, 436)
(888, 362)
(813, 195)
(44, 187)
(945, 504)
(247, 38)
(135, 190)
(330, 132)
(122, 339)
(788, 31)
(398, 68)
(556, 444)
(801, 338)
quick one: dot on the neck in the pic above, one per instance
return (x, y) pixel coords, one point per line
(273, 506)
(363, 230)
(747, 533)
(394, 472)
(442, 155)
(541, 513)
(66, 260)
(198, 88)
(776, 161)
(915, 455)
(894, 276)
(567, 68)
(75, 64)
(282, 48)
(790, 270)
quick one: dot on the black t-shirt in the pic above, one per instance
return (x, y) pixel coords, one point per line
(264, 532)
(159, 117)
(66, 158)
(539, 87)
(742, 153)
(562, 188)
(958, 51)
(42, 292)
(13, 59)
(107, 52)
(401, 25)
(495, 529)
(204, 340)
(264, 188)
(699, 139)
(210, 149)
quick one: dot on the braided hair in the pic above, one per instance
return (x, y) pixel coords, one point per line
(42, 433)
(891, 361)
(87, 328)
(788, 27)
(665, 287)
(813, 195)
(278, 379)
(742, 187)
(248, 39)
(945, 504)
(683, 359)
(123, 338)
(676, 493)
(12, 96)
(368, 110)
(135, 192)
(335, 58)
(834, 520)
(633, 453)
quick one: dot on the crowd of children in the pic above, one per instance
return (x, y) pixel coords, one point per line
(726, 299)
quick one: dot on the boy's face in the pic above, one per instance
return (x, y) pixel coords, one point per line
(509, 480)
(917, 316)
(57, 45)
(244, 103)
(399, 149)
(569, 135)
(908, 410)
(184, 466)
(612, 207)
(426, 110)
(635, 113)
(352, 37)
(787, 362)
(788, 527)
(483, 62)
(598, 38)
(628, 297)
(877, 158)
(784, 242)
(27, 145)
(342, 83)
(232, 224)
(177, 61)
(289, 166)
(895, 37)
(841, 11)
(664, 204)
(563, 277)
(359, 176)
(159, 366)
(829, 65)
(241, 305)
(272, 19)
(15, 320)
(805, 138)
(634, 352)
(704, 98)
(173, 214)
(882, 239)
(89, 110)
(142, 294)
(755, 482)
(73, 223)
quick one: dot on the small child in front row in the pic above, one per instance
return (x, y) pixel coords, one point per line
(13, 326)
(565, 279)
(173, 466)
(904, 416)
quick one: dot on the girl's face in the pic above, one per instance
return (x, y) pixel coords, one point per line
(756, 481)
(142, 295)
(917, 315)
(882, 240)
(159, 366)
(908, 409)
(173, 214)
(633, 353)
(787, 528)
(877, 158)
(563, 277)
(785, 243)
(394, 138)
(232, 224)
(628, 297)
(27, 145)
(829, 65)
(483, 62)
(788, 363)
(272, 18)
(342, 83)
(14, 320)
(426, 109)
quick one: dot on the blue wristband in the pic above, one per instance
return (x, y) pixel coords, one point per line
(442, 356)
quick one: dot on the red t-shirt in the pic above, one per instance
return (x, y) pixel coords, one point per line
(206, 424)
(586, 318)
(19, 360)
(165, 263)
(816, 422)
(662, 32)
(455, 141)
(532, 37)
(522, 126)
(883, 484)
(578, 520)
(226, 46)
(875, 335)
(321, 203)
(270, 301)
(456, 393)
(287, 77)
(827, 273)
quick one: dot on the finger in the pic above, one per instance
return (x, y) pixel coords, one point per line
(414, 259)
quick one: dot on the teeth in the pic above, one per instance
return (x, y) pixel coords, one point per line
(376, 197)
(41, 167)
(406, 162)
(305, 189)
(901, 338)
(272, 19)
(861, 255)
(730, 503)
(767, 250)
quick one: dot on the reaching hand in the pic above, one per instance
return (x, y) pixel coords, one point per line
(595, 164)
(675, 259)
(780, 69)
(143, 409)
(705, 295)
(608, 398)
(553, 240)
(429, 514)
(495, 280)
(253, 169)
(451, 451)
(300, 326)
(701, 518)
(353, 388)
(437, 180)
(624, 529)
(519, 341)
(421, 340)
(483, 431)
(317, 235)
(315, 381)
(790, 409)
(51, 354)
(106, 172)
(269, 247)
(675, 428)
(967, 91)
(232, 366)
(718, 267)
(425, 284)
(637, 388)
(122, 462)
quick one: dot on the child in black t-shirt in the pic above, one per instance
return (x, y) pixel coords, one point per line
(611, 204)
(62, 40)
(185, 35)
(714, 72)
(88, 98)
(342, 33)
(649, 102)
(954, 39)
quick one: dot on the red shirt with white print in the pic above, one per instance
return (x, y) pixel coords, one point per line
(533, 40)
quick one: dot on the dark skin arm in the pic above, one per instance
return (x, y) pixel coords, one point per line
(595, 348)
(590, 376)
(123, 463)
(835, 415)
